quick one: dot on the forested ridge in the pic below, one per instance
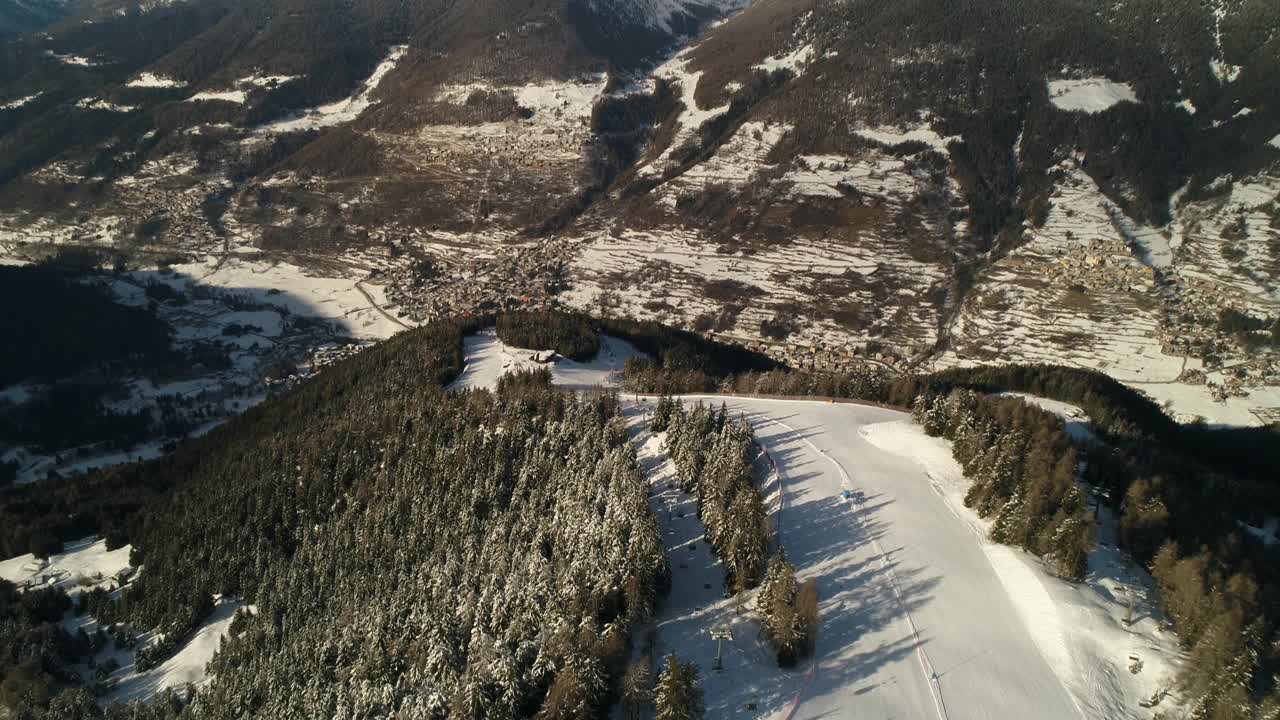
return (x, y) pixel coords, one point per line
(409, 551)
(572, 336)
(322, 507)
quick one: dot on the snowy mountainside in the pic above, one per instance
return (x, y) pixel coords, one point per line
(18, 16)
(839, 182)
(665, 15)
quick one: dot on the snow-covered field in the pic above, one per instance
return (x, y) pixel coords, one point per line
(187, 665)
(297, 290)
(676, 264)
(487, 359)
(1090, 95)
(87, 564)
(81, 565)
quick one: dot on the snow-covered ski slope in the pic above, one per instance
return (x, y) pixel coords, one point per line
(922, 617)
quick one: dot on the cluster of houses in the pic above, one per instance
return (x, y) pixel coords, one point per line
(1101, 264)
(44, 576)
(819, 355)
(525, 276)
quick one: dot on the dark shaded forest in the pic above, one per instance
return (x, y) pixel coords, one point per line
(421, 562)
(571, 336)
(77, 326)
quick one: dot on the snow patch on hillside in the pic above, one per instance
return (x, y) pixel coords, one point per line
(265, 81)
(1225, 72)
(151, 80)
(1274, 142)
(103, 105)
(735, 162)
(19, 102)
(794, 61)
(232, 96)
(1090, 95)
(76, 60)
(889, 135)
(825, 175)
(690, 116)
(341, 111)
(82, 565)
(240, 93)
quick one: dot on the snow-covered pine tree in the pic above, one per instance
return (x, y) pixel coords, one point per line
(1008, 525)
(746, 547)
(678, 695)
(776, 603)
(637, 687)
(662, 412)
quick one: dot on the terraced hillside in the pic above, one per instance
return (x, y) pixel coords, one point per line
(913, 184)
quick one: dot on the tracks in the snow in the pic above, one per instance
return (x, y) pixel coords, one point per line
(931, 675)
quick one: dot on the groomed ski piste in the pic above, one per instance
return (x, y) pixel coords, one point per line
(921, 615)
